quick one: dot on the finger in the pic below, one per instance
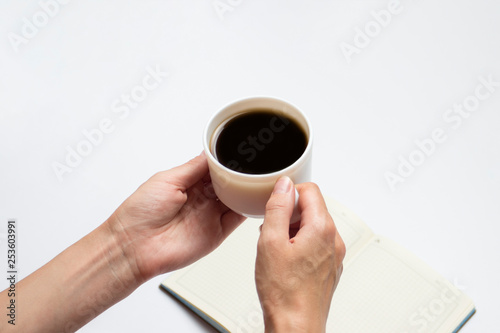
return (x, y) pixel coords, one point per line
(311, 204)
(186, 175)
(279, 209)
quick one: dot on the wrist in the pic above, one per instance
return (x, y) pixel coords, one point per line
(87, 278)
(116, 249)
(299, 320)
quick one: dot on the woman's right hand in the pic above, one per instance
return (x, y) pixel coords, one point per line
(296, 274)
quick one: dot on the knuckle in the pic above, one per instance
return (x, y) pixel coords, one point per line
(340, 248)
(310, 186)
(328, 228)
(313, 186)
(276, 204)
(266, 245)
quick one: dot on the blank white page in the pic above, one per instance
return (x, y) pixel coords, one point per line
(354, 232)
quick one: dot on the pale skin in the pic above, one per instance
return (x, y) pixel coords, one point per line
(297, 268)
(171, 221)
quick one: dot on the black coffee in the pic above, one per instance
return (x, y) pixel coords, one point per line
(260, 141)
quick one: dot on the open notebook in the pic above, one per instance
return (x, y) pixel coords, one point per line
(384, 288)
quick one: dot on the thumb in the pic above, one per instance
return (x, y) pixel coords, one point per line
(279, 208)
(189, 173)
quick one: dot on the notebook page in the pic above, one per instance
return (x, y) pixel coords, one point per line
(387, 289)
(354, 232)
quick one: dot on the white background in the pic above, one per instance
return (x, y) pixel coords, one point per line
(365, 113)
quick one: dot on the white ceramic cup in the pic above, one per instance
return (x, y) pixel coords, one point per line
(247, 194)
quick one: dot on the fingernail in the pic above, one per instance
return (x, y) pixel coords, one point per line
(283, 185)
(202, 153)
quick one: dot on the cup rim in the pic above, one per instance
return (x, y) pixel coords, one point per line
(262, 176)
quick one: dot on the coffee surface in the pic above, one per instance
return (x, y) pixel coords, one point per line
(260, 141)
